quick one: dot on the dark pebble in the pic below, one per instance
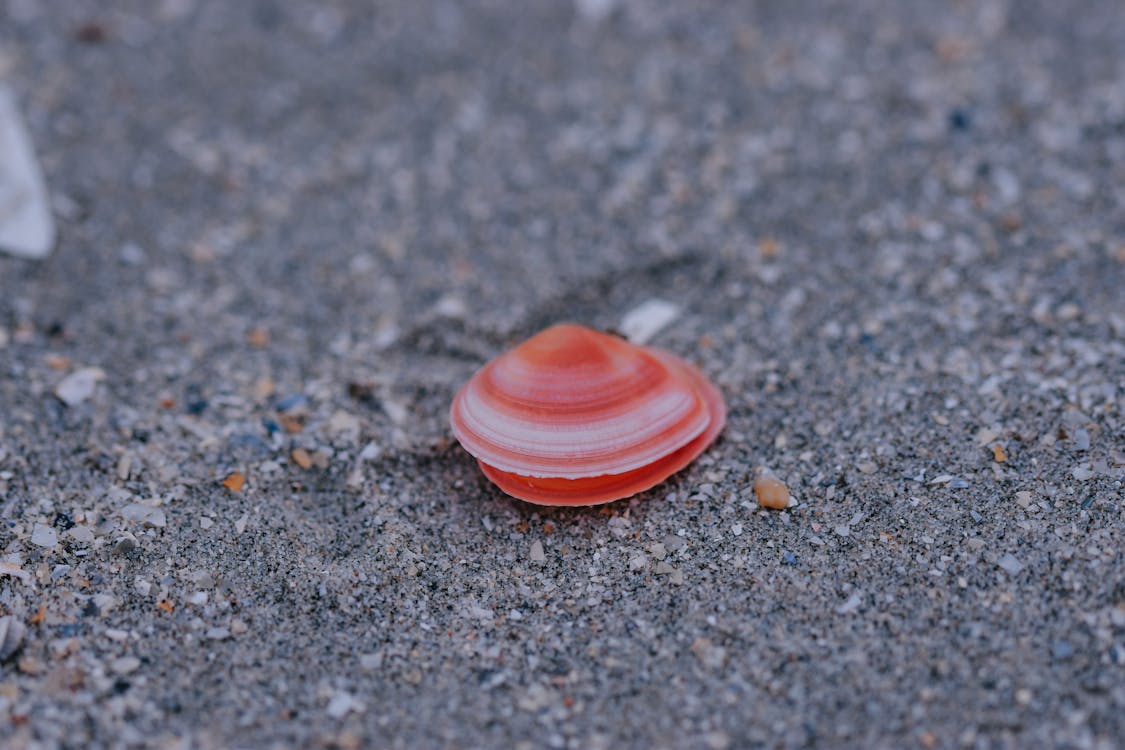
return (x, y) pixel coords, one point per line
(959, 119)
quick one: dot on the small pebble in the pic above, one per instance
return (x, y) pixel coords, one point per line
(235, 481)
(341, 704)
(1081, 440)
(145, 515)
(44, 536)
(12, 632)
(302, 458)
(1061, 650)
(1010, 564)
(79, 385)
(647, 319)
(125, 665)
(1082, 473)
(771, 492)
(537, 554)
(125, 544)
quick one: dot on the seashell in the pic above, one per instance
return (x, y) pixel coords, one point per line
(12, 632)
(577, 417)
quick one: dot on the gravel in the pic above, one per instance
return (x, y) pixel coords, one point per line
(288, 232)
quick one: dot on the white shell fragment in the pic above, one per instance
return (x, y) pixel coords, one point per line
(12, 632)
(79, 385)
(27, 229)
(648, 319)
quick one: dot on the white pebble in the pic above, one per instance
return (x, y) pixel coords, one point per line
(44, 536)
(851, 605)
(537, 553)
(342, 704)
(1010, 564)
(79, 385)
(145, 515)
(125, 665)
(1082, 473)
(648, 319)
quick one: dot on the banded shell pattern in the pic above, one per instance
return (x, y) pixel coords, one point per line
(577, 417)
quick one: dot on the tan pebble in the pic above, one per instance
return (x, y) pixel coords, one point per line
(235, 481)
(999, 454)
(302, 458)
(771, 492)
(258, 337)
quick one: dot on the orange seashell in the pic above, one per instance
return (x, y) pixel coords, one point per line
(577, 417)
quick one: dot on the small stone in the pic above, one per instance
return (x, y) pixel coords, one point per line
(217, 634)
(594, 10)
(736, 529)
(1023, 499)
(144, 514)
(235, 481)
(537, 554)
(1082, 473)
(717, 740)
(27, 228)
(343, 423)
(451, 306)
(124, 466)
(371, 662)
(657, 550)
(15, 571)
(79, 385)
(125, 665)
(238, 627)
(44, 536)
(771, 492)
(638, 562)
(647, 319)
(12, 632)
(302, 458)
(240, 524)
(1081, 440)
(1010, 564)
(206, 522)
(131, 254)
(676, 576)
(709, 655)
(999, 455)
(199, 598)
(867, 467)
(258, 337)
(842, 530)
(124, 544)
(986, 436)
(1061, 650)
(851, 605)
(342, 704)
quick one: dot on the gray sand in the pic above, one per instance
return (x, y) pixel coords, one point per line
(897, 235)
